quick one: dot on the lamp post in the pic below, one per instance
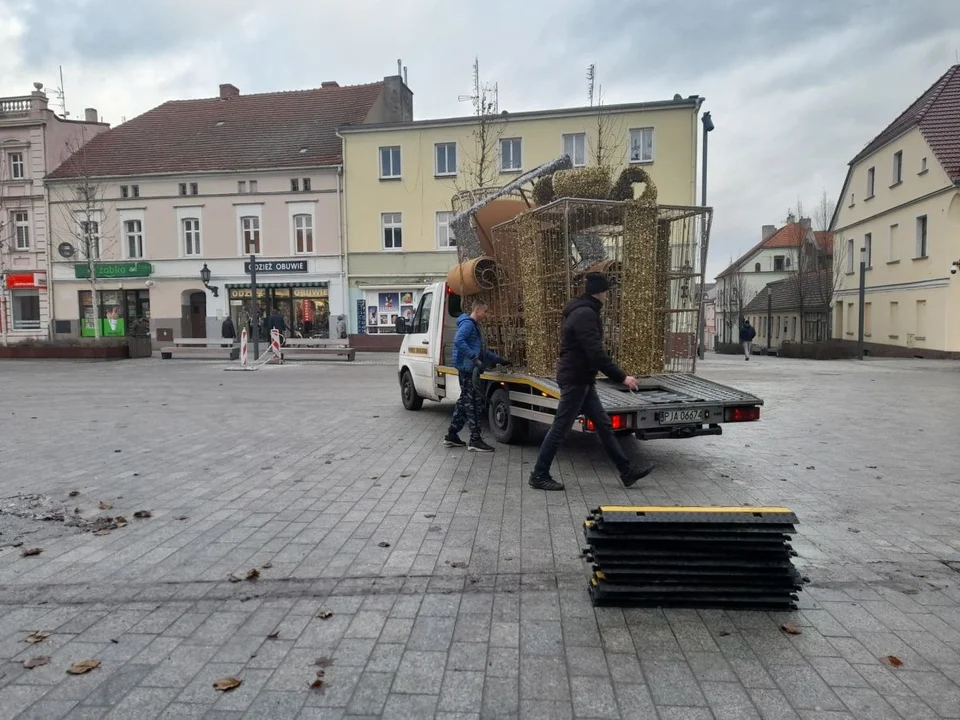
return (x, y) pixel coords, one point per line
(769, 317)
(205, 275)
(863, 297)
(254, 312)
(707, 128)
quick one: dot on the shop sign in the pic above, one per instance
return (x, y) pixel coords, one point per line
(16, 281)
(114, 270)
(278, 266)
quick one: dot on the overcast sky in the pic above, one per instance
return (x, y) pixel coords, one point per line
(795, 88)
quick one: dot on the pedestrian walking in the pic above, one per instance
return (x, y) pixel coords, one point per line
(470, 355)
(227, 330)
(581, 357)
(747, 334)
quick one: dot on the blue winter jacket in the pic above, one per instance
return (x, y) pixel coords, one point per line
(468, 344)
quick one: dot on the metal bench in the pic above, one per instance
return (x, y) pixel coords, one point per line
(205, 348)
(317, 348)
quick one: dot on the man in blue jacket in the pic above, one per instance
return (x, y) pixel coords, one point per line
(469, 354)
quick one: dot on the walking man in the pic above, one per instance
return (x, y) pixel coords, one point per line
(581, 357)
(469, 357)
(747, 334)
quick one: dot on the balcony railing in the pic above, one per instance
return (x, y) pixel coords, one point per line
(15, 107)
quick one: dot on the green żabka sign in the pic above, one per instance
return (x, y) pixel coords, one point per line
(114, 270)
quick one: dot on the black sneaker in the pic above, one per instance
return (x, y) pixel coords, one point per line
(453, 441)
(634, 473)
(478, 446)
(544, 482)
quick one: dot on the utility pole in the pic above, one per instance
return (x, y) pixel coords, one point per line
(863, 297)
(769, 317)
(254, 312)
(707, 128)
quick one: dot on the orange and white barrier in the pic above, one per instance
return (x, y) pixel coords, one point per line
(243, 348)
(275, 345)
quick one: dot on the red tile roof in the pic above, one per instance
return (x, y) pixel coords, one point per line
(937, 114)
(789, 236)
(243, 132)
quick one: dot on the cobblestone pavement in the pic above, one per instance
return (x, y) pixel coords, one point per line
(455, 590)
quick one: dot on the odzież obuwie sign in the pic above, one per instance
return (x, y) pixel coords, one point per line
(277, 266)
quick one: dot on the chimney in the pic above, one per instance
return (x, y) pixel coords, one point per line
(768, 231)
(397, 100)
(228, 91)
(90, 115)
(329, 84)
(405, 75)
(805, 223)
(791, 218)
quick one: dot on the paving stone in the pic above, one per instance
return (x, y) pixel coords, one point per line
(804, 688)
(671, 682)
(143, 703)
(543, 678)
(409, 707)
(467, 656)
(501, 697)
(112, 690)
(772, 704)
(729, 701)
(462, 691)
(47, 710)
(942, 695)
(667, 712)
(593, 697)
(541, 637)
(370, 695)
(545, 710)
(432, 633)
(277, 705)
(420, 672)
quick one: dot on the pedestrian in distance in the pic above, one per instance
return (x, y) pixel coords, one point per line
(747, 334)
(227, 330)
(470, 356)
(581, 357)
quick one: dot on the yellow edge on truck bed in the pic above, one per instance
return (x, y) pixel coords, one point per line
(515, 379)
(654, 509)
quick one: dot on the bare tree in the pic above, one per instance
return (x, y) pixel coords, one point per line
(606, 150)
(733, 297)
(481, 168)
(823, 212)
(86, 219)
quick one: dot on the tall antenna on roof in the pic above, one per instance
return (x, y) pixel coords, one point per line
(62, 96)
(591, 78)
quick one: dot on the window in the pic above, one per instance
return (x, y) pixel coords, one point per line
(21, 230)
(871, 179)
(421, 319)
(641, 145)
(241, 186)
(306, 185)
(850, 318)
(194, 189)
(575, 146)
(893, 255)
(124, 191)
(294, 185)
(191, 236)
(867, 318)
(90, 239)
(392, 231)
(923, 165)
(135, 190)
(389, 162)
(921, 237)
(898, 167)
(756, 267)
(303, 233)
(253, 186)
(786, 263)
(779, 263)
(183, 188)
(850, 256)
(26, 309)
(778, 327)
(511, 154)
(446, 158)
(445, 239)
(868, 246)
(133, 232)
(18, 170)
(250, 227)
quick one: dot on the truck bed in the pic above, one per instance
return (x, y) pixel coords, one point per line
(656, 391)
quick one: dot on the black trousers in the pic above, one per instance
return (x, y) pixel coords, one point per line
(574, 400)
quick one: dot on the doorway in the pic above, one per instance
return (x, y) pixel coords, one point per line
(198, 315)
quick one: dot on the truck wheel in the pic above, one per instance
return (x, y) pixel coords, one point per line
(408, 392)
(506, 427)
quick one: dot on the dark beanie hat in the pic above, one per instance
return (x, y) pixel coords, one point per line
(596, 283)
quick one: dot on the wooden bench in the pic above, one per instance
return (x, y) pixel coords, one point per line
(317, 348)
(200, 348)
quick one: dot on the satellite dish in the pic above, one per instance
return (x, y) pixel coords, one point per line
(66, 250)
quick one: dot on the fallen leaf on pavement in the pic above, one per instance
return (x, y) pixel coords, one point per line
(724, 633)
(318, 684)
(323, 662)
(38, 636)
(892, 661)
(31, 552)
(383, 544)
(267, 566)
(105, 505)
(253, 574)
(811, 467)
(36, 662)
(457, 564)
(791, 629)
(227, 683)
(101, 533)
(143, 514)
(121, 521)
(274, 635)
(429, 515)
(233, 578)
(181, 517)
(325, 614)
(18, 543)
(83, 666)
(73, 493)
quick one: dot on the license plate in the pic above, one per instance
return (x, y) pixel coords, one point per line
(682, 417)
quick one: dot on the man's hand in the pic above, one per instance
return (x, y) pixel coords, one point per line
(631, 382)
(477, 363)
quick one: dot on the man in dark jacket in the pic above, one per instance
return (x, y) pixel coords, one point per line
(581, 357)
(747, 334)
(227, 330)
(470, 355)
(276, 322)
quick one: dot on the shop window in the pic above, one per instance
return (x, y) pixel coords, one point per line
(303, 233)
(26, 309)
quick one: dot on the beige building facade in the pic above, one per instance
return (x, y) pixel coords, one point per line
(400, 180)
(900, 212)
(33, 140)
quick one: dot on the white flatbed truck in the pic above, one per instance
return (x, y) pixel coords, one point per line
(668, 405)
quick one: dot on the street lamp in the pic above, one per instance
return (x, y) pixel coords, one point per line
(205, 278)
(863, 296)
(707, 128)
(769, 317)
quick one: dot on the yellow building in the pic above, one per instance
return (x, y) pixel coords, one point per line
(900, 211)
(399, 180)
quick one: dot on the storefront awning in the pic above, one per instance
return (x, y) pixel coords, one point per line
(246, 285)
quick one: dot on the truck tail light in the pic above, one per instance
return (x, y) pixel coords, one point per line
(617, 422)
(742, 414)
